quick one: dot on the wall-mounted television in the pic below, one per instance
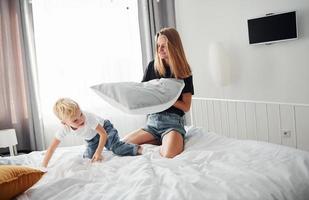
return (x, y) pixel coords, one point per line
(272, 28)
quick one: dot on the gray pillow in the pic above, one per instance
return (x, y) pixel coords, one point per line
(141, 98)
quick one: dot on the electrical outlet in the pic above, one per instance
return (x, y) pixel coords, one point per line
(286, 133)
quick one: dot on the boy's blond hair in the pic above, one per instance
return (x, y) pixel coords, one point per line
(66, 109)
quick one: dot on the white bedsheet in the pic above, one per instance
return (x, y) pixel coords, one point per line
(211, 167)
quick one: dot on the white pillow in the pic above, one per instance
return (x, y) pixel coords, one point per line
(141, 98)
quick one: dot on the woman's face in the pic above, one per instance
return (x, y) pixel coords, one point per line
(162, 47)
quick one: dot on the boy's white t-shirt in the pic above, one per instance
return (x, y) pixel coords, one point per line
(87, 131)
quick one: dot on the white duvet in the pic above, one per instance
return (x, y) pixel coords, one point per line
(211, 167)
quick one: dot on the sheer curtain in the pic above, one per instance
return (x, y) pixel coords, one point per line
(18, 108)
(154, 15)
(80, 43)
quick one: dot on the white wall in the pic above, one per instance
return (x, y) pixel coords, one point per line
(277, 72)
(285, 124)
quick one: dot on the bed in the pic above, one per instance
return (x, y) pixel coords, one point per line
(211, 167)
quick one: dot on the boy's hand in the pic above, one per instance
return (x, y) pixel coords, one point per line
(96, 157)
(43, 165)
(42, 168)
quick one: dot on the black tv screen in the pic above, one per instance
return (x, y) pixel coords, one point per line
(272, 28)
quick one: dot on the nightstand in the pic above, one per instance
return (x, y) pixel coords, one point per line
(8, 139)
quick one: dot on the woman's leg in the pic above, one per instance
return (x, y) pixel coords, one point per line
(172, 144)
(141, 137)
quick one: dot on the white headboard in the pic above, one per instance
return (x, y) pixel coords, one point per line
(280, 123)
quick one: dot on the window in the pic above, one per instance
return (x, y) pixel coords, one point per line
(80, 43)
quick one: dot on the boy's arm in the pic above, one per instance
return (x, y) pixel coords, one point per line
(103, 138)
(51, 149)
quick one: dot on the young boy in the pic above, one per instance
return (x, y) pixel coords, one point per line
(96, 131)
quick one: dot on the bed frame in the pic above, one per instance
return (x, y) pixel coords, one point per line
(279, 123)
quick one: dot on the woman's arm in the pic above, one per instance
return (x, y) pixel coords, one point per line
(50, 151)
(103, 138)
(185, 103)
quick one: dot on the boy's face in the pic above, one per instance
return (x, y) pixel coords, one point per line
(76, 122)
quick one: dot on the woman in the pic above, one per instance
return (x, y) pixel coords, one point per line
(167, 127)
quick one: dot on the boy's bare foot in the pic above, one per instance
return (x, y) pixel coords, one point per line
(140, 150)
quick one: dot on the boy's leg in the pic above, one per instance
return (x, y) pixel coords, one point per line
(112, 134)
(114, 144)
(125, 149)
(91, 146)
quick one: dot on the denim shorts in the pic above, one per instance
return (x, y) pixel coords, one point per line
(159, 124)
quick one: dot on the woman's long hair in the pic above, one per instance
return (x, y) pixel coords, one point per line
(178, 63)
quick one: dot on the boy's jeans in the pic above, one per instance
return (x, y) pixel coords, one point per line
(113, 143)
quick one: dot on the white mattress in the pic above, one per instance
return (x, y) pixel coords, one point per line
(211, 167)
